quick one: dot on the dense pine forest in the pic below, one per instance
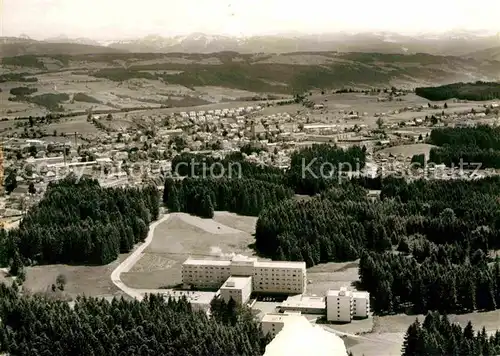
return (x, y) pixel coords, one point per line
(202, 196)
(237, 185)
(478, 145)
(478, 91)
(438, 336)
(33, 325)
(423, 246)
(78, 222)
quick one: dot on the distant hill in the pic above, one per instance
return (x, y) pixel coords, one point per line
(492, 53)
(275, 73)
(65, 39)
(447, 44)
(12, 46)
(478, 91)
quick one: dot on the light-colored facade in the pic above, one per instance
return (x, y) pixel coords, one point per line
(280, 277)
(273, 323)
(343, 305)
(237, 288)
(304, 305)
(198, 300)
(339, 305)
(267, 276)
(361, 304)
(205, 273)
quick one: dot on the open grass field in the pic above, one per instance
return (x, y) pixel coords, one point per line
(331, 276)
(388, 332)
(183, 236)
(81, 280)
(71, 125)
(408, 150)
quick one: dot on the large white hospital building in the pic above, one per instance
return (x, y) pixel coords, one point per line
(266, 276)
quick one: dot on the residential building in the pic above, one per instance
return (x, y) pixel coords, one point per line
(237, 288)
(339, 305)
(267, 276)
(205, 273)
(303, 304)
(279, 277)
(273, 323)
(198, 300)
(361, 304)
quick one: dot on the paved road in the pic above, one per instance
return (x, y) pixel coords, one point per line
(131, 260)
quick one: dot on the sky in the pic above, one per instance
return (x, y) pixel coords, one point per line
(117, 19)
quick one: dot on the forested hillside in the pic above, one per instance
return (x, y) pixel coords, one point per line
(80, 223)
(237, 185)
(37, 326)
(477, 91)
(442, 231)
(438, 336)
(202, 196)
(466, 146)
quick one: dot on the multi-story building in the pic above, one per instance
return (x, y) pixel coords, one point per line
(339, 305)
(361, 304)
(205, 273)
(273, 323)
(237, 288)
(279, 277)
(342, 305)
(267, 276)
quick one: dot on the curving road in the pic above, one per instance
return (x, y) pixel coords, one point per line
(131, 260)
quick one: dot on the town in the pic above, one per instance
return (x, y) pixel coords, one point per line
(237, 192)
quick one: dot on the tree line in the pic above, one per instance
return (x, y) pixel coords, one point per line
(312, 169)
(201, 197)
(34, 325)
(467, 146)
(478, 91)
(78, 222)
(438, 336)
(442, 281)
(440, 230)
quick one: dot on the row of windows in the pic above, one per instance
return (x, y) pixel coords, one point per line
(279, 279)
(206, 267)
(255, 269)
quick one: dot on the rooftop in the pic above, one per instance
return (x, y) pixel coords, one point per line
(343, 292)
(304, 302)
(281, 264)
(365, 295)
(207, 262)
(244, 259)
(191, 296)
(279, 318)
(236, 282)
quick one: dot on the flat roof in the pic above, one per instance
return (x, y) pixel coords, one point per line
(239, 258)
(243, 259)
(192, 296)
(280, 264)
(236, 282)
(361, 295)
(337, 293)
(304, 302)
(279, 318)
(193, 262)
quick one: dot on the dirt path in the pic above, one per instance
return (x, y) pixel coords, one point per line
(126, 265)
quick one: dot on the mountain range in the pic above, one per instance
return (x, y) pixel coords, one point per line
(453, 44)
(448, 44)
